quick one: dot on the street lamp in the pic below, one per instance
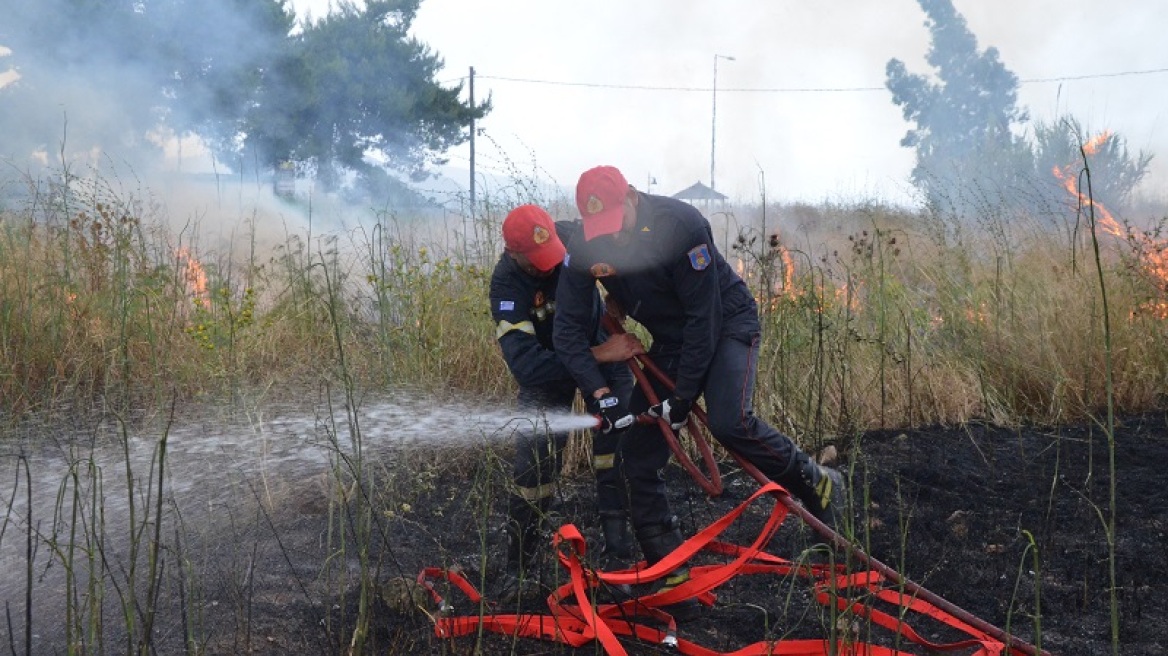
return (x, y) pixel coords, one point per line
(714, 117)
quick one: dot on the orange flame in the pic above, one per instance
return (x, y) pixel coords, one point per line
(787, 284)
(194, 277)
(1154, 252)
(1067, 176)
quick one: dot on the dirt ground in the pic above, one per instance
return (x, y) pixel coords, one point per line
(957, 511)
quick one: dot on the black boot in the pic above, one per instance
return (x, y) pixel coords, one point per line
(820, 489)
(517, 578)
(617, 552)
(658, 541)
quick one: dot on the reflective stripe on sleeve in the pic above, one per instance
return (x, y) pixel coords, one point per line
(506, 327)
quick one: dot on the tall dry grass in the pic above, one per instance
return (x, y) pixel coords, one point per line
(102, 302)
(905, 321)
(873, 316)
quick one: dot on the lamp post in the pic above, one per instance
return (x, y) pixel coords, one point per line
(714, 117)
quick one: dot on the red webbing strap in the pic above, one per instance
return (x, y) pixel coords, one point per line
(873, 582)
(575, 620)
(702, 579)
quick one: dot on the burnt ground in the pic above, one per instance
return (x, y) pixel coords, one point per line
(953, 509)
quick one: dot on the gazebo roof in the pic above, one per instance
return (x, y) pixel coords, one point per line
(699, 191)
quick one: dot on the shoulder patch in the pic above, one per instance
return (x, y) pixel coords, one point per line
(699, 257)
(601, 270)
(506, 306)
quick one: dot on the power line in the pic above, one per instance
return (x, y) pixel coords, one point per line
(647, 87)
(1069, 78)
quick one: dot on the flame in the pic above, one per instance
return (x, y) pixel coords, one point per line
(194, 277)
(1067, 176)
(787, 283)
(1154, 252)
(783, 288)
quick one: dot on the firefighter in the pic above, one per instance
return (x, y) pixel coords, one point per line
(523, 306)
(656, 257)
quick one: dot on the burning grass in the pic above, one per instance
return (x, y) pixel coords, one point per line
(873, 317)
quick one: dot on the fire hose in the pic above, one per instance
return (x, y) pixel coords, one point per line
(576, 619)
(712, 484)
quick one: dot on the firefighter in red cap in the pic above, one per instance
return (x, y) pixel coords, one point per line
(656, 257)
(523, 306)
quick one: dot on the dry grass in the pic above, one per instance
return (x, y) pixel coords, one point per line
(872, 316)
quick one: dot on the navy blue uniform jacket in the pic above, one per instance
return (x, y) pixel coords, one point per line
(668, 276)
(523, 308)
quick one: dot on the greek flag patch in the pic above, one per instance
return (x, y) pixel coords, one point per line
(506, 306)
(699, 257)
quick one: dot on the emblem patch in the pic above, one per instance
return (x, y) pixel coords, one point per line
(699, 257)
(540, 235)
(506, 306)
(594, 205)
(601, 270)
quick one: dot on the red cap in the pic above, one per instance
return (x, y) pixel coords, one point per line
(529, 230)
(600, 197)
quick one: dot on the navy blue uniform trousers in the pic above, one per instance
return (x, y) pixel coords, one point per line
(729, 394)
(539, 453)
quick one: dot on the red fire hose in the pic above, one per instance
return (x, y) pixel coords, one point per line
(711, 481)
(712, 484)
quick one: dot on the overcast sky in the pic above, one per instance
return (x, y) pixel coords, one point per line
(555, 70)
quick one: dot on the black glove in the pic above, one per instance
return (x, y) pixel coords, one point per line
(613, 414)
(673, 410)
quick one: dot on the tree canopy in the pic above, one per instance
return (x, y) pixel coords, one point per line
(969, 134)
(965, 115)
(350, 92)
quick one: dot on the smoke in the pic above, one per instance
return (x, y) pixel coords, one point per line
(114, 93)
(90, 78)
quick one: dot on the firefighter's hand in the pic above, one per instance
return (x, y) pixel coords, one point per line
(613, 414)
(618, 348)
(673, 410)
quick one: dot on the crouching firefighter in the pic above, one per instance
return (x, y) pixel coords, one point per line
(657, 258)
(523, 305)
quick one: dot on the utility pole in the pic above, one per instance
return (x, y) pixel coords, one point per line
(470, 213)
(714, 117)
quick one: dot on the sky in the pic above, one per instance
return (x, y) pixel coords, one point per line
(801, 111)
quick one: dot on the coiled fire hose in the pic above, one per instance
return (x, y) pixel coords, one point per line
(576, 619)
(712, 484)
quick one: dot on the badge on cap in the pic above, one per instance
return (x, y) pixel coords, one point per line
(699, 257)
(601, 270)
(594, 205)
(540, 235)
